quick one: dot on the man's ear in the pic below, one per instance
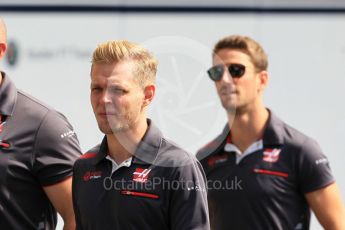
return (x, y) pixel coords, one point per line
(3, 48)
(149, 93)
(263, 80)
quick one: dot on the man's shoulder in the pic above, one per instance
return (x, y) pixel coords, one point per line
(208, 149)
(28, 98)
(38, 109)
(172, 155)
(89, 156)
(178, 163)
(213, 146)
(39, 121)
(294, 140)
(293, 136)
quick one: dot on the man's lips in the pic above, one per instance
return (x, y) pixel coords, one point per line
(105, 114)
(228, 92)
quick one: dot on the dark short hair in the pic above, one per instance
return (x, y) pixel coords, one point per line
(246, 45)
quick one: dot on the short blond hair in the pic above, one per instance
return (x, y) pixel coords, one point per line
(246, 45)
(122, 50)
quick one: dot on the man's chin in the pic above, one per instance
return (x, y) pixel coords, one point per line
(105, 130)
(114, 129)
(229, 106)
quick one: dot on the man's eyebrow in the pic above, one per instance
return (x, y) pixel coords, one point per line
(94, 84)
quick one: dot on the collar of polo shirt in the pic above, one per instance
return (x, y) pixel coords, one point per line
(147, 150)
(230, 147)
(126, 163)
(272, 137)
(8, 96)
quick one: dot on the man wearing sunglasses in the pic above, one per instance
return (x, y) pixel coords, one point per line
(262, 173)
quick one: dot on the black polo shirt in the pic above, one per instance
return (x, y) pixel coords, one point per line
(160, 187)
(37, 148)
(264, 188)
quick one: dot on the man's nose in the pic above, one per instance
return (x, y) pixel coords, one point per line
(226, 78)
(105, 98)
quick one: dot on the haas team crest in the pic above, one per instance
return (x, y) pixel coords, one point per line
(141, 175)
(271, 155)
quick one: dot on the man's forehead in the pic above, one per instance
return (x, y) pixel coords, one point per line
(114, 68)
(108, 80)
(111, 80)
(227, 56)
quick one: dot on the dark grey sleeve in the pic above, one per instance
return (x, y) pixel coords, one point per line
(313, 168)
(56, 149)
(189, 209)
(75, 195)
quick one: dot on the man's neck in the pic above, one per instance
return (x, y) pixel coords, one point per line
(122, 145)
(248, 127)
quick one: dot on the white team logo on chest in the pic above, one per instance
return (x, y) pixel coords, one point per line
(141, 175)
(271, 155)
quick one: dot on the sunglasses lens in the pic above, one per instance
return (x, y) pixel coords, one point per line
(236, 70)
(216, 72)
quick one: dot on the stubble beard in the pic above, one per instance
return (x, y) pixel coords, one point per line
(115, 126)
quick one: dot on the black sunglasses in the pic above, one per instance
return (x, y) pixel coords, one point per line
(216, 72)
